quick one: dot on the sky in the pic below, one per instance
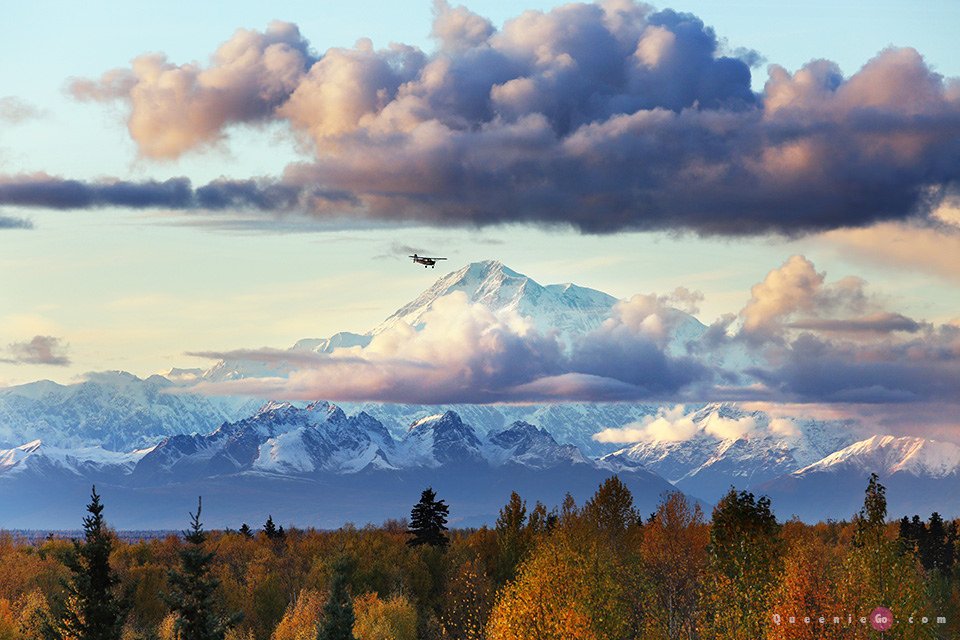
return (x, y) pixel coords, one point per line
(795, 163)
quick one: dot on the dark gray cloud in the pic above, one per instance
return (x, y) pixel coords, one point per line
(38, 350)
(58, 193)
(817, 370)
(601, 117)
(10, 222)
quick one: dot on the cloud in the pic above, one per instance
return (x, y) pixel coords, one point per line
(802, 339)
(601, 117)
(932, 249)
(668, 425)
(39, 350)
(814, 369)
(464, 353)
(677, 425)
(41, 190)
(13, 110)
(876, 323)
(796, 296)
(9, 222)
(174, 108)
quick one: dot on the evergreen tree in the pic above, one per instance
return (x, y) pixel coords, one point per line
(193, 591)
(270, 529)
(92, 610)
(246, 531)
(512, 537)
(338, 615)
(428, 521)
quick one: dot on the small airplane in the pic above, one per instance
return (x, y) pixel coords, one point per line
(425, 261)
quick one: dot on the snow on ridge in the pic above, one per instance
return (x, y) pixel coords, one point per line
(888, 454)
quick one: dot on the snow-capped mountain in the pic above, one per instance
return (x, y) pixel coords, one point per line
(567, 307)
(708, 461)
(279, 439)
(35, 459)
(284, 459)
(921, 476)
(113, 410)
(523, 443)
(286, 440)
(889, 455)
(153, 437)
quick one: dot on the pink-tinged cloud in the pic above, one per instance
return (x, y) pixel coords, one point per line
(14, 110)
(42, 350)
(601, 117)
(175, 108)
(801, 338)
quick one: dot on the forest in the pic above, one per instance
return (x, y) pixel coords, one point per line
(598, 570)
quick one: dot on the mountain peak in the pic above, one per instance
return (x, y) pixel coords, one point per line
(567, 307)
(887, 455)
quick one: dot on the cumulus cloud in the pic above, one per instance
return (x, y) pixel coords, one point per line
(464, 353)
(797, 296)
(668, 425)
(676, 424)
(46, 350)
(802, 339)
(174, 108)
(602, 117)
(10, 222)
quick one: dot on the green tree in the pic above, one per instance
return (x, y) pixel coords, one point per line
(338, 618)
(92, 610)
(193, 590)
(611, 509)
(428, 521)
(744, 560)
(876, 573)
(513, 538)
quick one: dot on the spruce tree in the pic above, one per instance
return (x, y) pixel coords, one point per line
(245, 530)
(92, 610)
(338, 615)
(193, 598)
(270, 529)
(428, 521)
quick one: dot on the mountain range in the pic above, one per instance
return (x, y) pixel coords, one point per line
(152, 444)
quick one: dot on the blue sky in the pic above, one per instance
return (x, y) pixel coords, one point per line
(135, 290)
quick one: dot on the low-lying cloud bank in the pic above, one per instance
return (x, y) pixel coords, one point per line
(800, 338)
(603, 117)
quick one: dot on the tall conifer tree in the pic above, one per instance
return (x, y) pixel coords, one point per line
(338, 617)
(92, 610)
(428, 521)
(193, 597)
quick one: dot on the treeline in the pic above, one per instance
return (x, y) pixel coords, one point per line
(599, 570)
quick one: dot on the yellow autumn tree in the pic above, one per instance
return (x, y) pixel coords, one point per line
(805, 592)
(376, 619)
(8, 622)
(299, 621)
(562, 592)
